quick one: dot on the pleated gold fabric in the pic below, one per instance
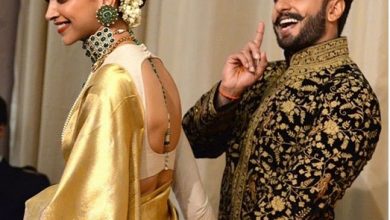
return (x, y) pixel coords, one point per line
(155, 205)
(101, 144)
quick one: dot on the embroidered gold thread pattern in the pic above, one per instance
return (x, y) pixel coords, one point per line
(296, 154)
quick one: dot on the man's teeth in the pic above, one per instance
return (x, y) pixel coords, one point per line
(288, 21)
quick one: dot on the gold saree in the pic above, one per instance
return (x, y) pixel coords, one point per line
(101, 144)
(157, 202)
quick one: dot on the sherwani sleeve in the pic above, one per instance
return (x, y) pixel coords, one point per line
(207, 129)
(337, 147)
(100, 179)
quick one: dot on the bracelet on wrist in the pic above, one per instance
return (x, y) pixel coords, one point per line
(226, 95)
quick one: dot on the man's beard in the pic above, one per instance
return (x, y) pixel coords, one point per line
(312, 31)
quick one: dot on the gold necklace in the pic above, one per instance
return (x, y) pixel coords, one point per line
(101, 59)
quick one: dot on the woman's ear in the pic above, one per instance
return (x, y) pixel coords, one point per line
(335, 10)
(110, 2)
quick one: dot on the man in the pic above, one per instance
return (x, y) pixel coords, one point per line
(16, 184)
(296, 132)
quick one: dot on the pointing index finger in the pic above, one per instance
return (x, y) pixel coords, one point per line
(259, 34)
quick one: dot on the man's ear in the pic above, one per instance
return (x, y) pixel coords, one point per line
(335, 10)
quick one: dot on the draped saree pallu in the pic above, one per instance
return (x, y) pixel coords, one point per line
(101, 179)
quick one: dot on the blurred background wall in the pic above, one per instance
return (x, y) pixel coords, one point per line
(193, 38)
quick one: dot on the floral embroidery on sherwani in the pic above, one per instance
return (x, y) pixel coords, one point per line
(296, 140)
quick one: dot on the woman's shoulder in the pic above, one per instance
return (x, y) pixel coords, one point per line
(112, 79)
(129, 55)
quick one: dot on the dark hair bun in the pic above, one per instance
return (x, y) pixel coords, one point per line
(143, 4)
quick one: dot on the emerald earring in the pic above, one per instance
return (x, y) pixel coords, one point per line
(107, 15)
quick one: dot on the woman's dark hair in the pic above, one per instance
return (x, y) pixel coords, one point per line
(343, 18)
(143, 4)
(3, 112)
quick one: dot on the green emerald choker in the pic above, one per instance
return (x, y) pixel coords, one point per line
(97, 44)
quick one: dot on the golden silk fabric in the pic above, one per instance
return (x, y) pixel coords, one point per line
(295, 141)
(102, 141)
(157, 202)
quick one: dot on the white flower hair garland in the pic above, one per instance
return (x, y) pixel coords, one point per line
(131, 10)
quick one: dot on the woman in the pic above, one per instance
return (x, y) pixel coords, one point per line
(119, 141)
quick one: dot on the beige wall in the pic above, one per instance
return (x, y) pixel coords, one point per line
(8, 27)
(193, 38)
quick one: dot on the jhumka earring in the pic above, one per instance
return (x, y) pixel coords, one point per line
(107, 15)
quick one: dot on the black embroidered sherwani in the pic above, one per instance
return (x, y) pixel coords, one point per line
(295, 141)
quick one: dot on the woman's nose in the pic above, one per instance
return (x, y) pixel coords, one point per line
(51, 12)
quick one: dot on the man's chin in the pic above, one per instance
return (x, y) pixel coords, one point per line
(286, 43)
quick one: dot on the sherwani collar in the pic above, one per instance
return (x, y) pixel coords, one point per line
(320, 53)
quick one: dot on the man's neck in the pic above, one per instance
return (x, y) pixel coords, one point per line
(288, 54)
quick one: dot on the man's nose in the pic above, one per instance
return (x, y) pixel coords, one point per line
(282, 5)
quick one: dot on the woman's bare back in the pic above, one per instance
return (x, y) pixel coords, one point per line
(157, 118)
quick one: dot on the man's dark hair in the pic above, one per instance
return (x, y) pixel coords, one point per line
(3, 112)
(343, 18)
